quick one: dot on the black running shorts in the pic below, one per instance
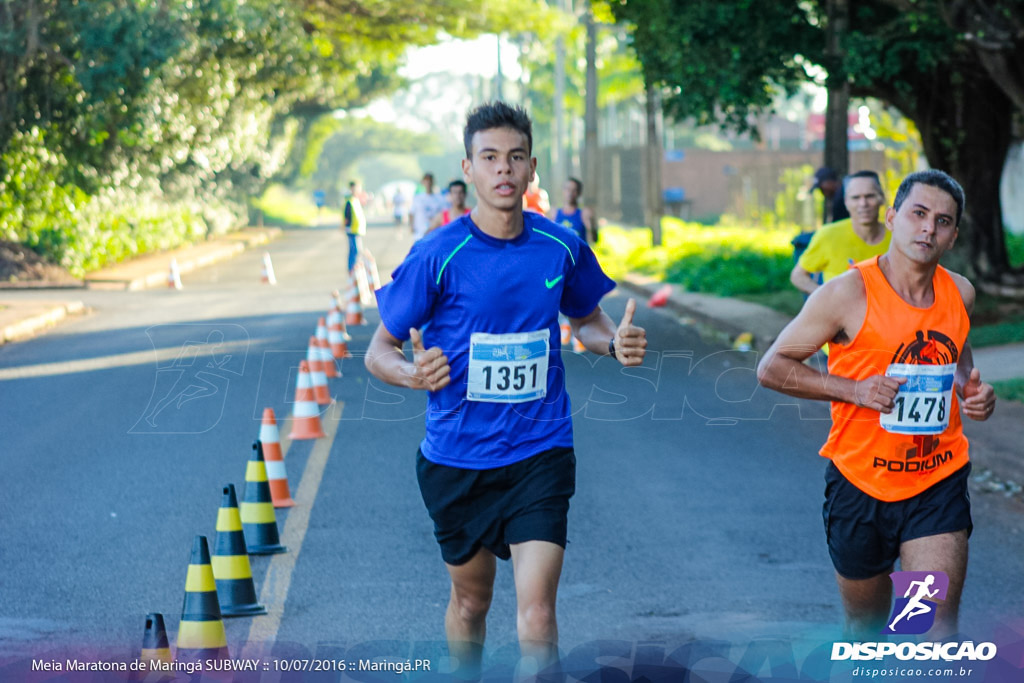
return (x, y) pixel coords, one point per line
(864, 534)
(496, 508)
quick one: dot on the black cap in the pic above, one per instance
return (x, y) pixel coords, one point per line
(822, 174)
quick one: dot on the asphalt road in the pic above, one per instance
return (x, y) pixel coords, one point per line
(697, 517)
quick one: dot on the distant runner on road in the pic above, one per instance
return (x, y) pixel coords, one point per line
(457, 195)
(571, 215)
(497, 468)
(900, 370)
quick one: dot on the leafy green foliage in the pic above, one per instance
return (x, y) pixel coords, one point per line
(951, 67)
(335, 145)
(723, 259)
(185, 107)
(1015, 248)
(712, 71)
(79, 231)
(281, 206)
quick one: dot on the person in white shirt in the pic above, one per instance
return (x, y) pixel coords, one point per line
(425, 206)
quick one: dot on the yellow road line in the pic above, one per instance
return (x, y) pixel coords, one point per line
(279, 573)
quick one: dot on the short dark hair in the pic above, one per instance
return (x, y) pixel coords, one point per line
(579, 185)
(428, 175)
(497, 115)
(864, 174)
(457, 183)
(934, 178)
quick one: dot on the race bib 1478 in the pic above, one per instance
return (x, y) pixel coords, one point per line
(924, 401)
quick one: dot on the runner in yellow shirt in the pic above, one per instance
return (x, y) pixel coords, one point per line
(837, 246)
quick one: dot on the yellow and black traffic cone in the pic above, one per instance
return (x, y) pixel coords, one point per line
(259, 522)
(155, 646)
(201, 631)
(236, 591)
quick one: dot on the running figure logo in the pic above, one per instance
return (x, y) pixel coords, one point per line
(914, 613)
(927, 348)
(194, 366)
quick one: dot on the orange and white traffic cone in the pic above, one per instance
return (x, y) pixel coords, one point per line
(337, 337)
(363, 282)
(173, 275)
(316, 372)
(354, 312)
(371, 267)
(566, 329)
(661, 297)
(277, 477)
(326, 357)
(577, 345)
(306, 413)
(327, 360)
(270, 435)
(268, 269)
(337, 301)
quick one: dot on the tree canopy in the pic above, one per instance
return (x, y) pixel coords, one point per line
(954, 67)
(186, 103)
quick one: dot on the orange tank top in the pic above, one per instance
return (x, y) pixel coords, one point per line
(922, 442)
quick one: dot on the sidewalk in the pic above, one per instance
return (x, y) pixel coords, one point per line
(996, 444)
(21, 319)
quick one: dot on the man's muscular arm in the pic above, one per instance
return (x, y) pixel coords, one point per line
(835, 312)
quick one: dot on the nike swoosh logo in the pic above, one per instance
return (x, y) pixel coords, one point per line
(551, 283)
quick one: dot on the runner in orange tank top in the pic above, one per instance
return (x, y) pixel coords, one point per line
(900, 373)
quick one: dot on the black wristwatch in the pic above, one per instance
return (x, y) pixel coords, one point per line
(611, 347)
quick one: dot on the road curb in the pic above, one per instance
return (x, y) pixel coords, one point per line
(155, 267)
(50, 315)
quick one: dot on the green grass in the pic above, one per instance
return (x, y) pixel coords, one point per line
(283, 206)
(1010, 389)
(722, 259)
(996, 334)
(1015, 249)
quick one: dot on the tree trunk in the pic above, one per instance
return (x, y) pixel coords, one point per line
(654, 207)
(836, 112)
(965, 122)
(591, 153)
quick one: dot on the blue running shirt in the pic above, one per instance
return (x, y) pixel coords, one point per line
(464, 282)
(573, 221)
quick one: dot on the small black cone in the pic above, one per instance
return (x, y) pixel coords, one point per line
(156, 651)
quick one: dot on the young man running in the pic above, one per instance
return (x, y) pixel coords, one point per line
(457, 196)
(425, 205)
(571, 215)
(496, 468)
(900, 371)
